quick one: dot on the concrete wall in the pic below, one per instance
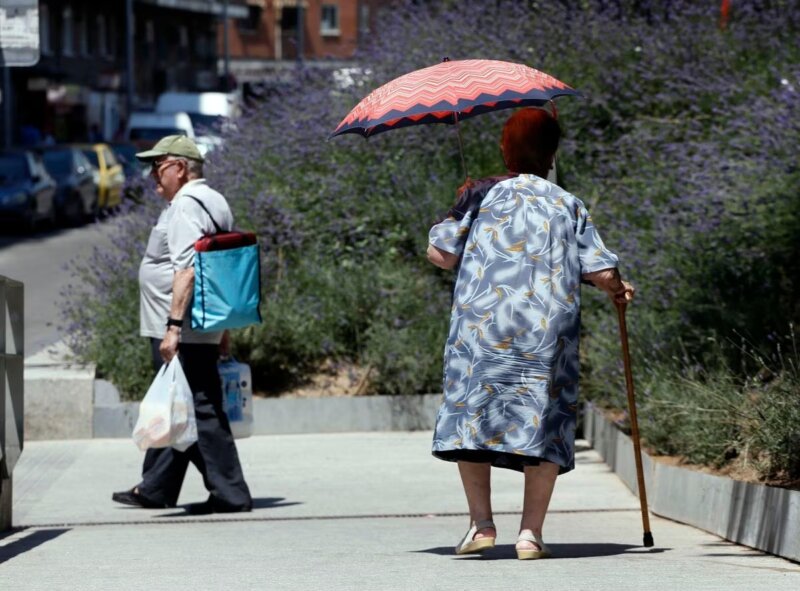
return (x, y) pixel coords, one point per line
(59, 404)
(273, 416)
(337, 415)
(762, 517)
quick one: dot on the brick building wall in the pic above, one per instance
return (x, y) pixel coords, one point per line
(331, 28)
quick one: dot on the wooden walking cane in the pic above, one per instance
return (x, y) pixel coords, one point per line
(626, 357)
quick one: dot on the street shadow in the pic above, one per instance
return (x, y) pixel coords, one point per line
(507, 551)
(14, 234)
(258, 503)
(33, 540)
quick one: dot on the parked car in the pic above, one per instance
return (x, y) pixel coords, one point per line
(110, 177)
(146, 128)
(27, 191)
(76, 195)
(126, 156)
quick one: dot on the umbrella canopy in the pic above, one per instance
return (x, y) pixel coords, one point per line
(450, 92)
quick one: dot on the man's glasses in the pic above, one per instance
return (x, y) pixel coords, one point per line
(156, 169)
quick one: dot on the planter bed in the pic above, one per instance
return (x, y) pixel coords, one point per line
(762, 517)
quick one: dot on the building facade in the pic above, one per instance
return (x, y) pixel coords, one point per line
(267, 39)
(78, 90)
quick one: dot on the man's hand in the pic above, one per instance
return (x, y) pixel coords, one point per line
(169, 345)
(182, 286)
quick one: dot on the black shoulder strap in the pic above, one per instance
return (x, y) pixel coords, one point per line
(216, 225)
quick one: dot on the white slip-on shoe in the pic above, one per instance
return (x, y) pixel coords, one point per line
(468, 545)
(532, 554)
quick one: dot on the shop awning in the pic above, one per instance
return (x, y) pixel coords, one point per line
(215, 7)
(279, 4)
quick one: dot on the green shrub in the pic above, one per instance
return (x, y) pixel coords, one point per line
(405, 339)
(382, 313)
(101, 305)
(708, 414)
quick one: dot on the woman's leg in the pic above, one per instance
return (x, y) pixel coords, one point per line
(539, 483)
(476, 479)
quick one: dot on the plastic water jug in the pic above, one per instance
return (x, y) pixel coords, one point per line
(237, 396)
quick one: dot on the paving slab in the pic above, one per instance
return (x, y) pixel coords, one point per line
(368, 511)
(59, 482)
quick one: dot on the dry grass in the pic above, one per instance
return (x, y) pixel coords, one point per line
(330, 379)
(737, 469)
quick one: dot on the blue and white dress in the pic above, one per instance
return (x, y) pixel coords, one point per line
(511, 358)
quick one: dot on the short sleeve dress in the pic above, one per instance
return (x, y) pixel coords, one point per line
(511, 358)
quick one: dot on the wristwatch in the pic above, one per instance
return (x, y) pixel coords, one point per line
(175, 322)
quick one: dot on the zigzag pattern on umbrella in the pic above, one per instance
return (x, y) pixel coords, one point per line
(451, 81)
(444, 113)
(452, 86)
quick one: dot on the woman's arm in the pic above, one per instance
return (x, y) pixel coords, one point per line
(610, 282)
(441, 258)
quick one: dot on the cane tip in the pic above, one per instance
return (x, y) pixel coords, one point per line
(648, 540)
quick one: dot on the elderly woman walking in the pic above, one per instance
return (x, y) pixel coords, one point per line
(522, 247)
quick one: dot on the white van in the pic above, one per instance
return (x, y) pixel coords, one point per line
(145, 128)
(206, 109)
(211, 113)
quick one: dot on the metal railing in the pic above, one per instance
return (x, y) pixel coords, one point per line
(12, 399)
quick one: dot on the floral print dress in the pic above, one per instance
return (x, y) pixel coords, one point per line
(511, 358)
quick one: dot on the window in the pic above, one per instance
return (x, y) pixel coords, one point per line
(44, 30)
(363, 20)
(83, 34)
(102, 46)
(13, 167)
(109, 158)
(150, 32)
(67, 32)
(251, 23)
(329, 23)
(111, 44)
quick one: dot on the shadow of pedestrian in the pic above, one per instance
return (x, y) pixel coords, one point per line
(271, 502)
(258, 503)
(25, 541)
(507, 551)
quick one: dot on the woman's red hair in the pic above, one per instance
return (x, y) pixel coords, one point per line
(530, 138)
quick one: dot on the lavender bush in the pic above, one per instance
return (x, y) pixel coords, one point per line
(100, 307)
(683, 146)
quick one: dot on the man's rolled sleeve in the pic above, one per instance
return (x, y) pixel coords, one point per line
(183, 231)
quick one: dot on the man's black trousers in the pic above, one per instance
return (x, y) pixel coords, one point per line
(214, 454)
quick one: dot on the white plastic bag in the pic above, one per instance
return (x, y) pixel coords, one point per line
(166, 414)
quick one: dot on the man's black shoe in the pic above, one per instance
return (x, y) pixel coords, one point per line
(134, 499)
(208, 507)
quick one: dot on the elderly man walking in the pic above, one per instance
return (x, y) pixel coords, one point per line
(166, 281)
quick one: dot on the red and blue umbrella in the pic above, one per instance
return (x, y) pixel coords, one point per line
(450, 92)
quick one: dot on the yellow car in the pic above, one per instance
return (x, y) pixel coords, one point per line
(109, 177)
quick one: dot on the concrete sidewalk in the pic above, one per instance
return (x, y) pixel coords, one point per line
(345, 511)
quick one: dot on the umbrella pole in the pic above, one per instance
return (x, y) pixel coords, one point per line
(637, 448)
(461, 147)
